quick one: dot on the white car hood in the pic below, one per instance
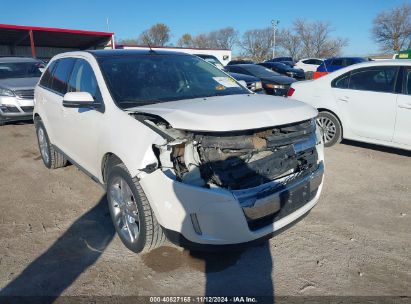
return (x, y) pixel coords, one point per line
(230, 113)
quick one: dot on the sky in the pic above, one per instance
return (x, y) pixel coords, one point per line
(351, 19)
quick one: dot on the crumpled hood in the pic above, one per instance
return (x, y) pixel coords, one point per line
(230, 113)
(27, 83)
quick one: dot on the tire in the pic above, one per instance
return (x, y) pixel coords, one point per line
(52, 159)
(130, 211)
(330, 128)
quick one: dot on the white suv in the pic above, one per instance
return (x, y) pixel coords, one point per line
(183, 150)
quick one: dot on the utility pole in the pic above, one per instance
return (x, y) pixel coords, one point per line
(274, 23)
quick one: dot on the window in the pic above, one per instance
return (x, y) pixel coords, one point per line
(341, 82)
(61, 74)
(147, 79)
(82, 79)
(308, 61)
(338, 62)
(377, 79)
(45, 79)
(407, 81)
(316, 61)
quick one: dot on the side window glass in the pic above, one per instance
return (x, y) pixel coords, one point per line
(308, 61)
(83, 79)
(377, 79)
(341, 82)
(407, 81)
(61, 74)
(45, 79)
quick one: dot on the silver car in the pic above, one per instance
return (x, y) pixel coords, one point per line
(18, 77)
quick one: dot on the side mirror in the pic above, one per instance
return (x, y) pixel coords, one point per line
(78, 100)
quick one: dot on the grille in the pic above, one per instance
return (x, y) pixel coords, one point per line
(24, 94)
(10, 109)
(27, 109)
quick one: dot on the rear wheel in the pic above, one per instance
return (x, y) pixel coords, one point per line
(132, 216)
(52, 159)
(330, 128)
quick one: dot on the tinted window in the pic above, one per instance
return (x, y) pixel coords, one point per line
(82, 79)
(61, 74)
(407, 81)
(338, 62)
(378, 79)
(45, 79)
(341, 82)
(316, 61)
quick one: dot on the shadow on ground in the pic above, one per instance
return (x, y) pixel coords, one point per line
(76, 250)
(377, 147)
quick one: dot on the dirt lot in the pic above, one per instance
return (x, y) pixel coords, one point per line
(57, 239)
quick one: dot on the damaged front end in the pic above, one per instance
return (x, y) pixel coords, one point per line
(271, 172)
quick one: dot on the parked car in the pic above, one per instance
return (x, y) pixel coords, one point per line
(273, 83)
(240, 62)
(281, 59)
(291, 64)
(368, 102)
(18, 77)
(183, 151)
(333, 64)
(309, 64)
(284, 69)
(253, 83)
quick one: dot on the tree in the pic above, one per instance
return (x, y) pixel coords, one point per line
(201, 41)
(128, 41)
(185, 41)
(157, 35)
(224, 38)
(315, 39)
(392, 28)
(257, 43)
(289, 43)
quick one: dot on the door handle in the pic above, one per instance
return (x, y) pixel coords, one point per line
(405, 106)
(344, 98)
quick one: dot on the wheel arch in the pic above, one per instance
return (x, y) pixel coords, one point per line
(333, 113)
(109, 159)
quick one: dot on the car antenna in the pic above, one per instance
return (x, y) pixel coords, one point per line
(151, 50)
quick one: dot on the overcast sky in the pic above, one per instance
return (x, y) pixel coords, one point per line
(351, 19)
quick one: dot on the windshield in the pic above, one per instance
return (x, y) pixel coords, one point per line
(20, 69)
(260, 71)
(152, 78)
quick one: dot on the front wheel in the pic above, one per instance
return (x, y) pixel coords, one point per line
(132, 216)
(330, 127)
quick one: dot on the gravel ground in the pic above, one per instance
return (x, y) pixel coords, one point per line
(57, 239)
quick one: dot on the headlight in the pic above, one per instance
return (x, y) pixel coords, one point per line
(290, 73)
(258, 85)
(6, 92)
(275, 86)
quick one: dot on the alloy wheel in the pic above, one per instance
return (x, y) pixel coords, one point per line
(44, 147)
(125, 212)
(327, 127)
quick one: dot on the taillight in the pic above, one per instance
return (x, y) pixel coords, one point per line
(290, 92)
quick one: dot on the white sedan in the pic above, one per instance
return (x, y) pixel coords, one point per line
(368, 102)
(309, 64)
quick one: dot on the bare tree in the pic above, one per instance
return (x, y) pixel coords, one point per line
(392, 28)
(157, 35)
(289, 43)
(201, 41)
(316, 39)
(257, 43)
(224, 38)
(185, 41)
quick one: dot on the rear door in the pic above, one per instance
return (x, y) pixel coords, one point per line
(52, 99)
(402, 133)
(367, 100)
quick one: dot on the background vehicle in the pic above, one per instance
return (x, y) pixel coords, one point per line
(332, 64)
(273, 83)
(240, 61)
(253, 83)
(369, 102)
(281, 59)
(309, 64)
(284, 69)
(183, 150)
(18, 77)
